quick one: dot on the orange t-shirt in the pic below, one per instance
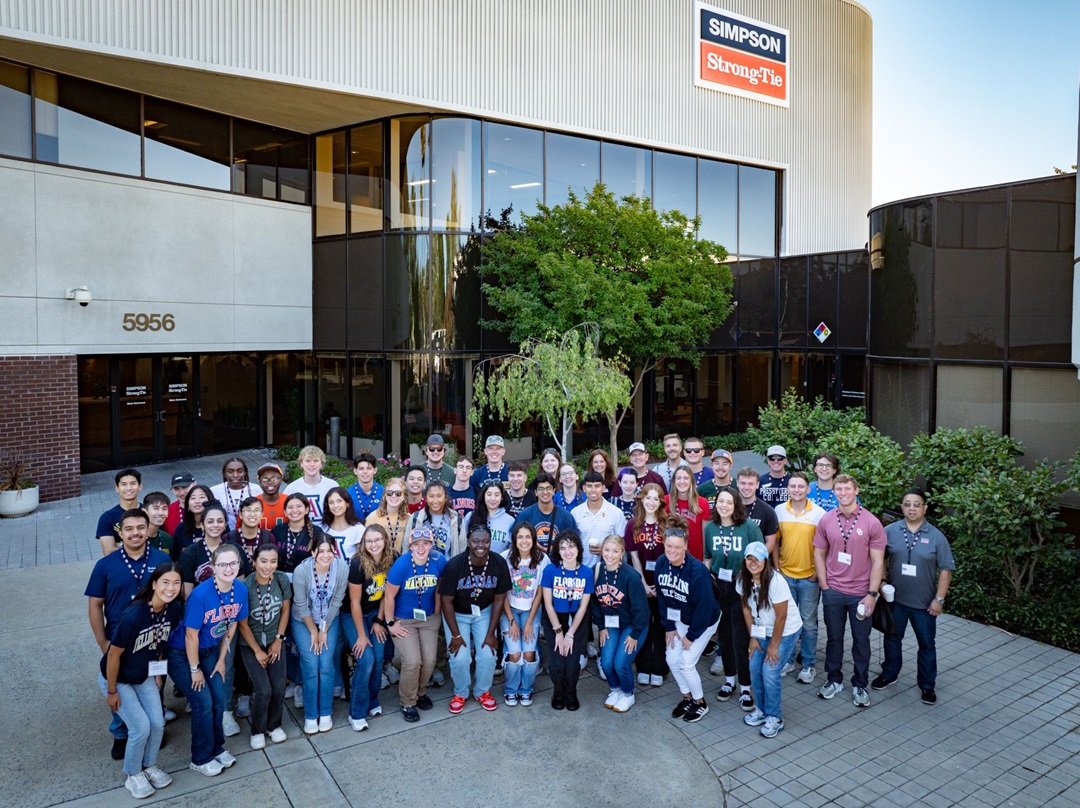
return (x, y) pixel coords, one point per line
(273, 514)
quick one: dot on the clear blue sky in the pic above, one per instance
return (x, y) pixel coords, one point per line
(972, 92)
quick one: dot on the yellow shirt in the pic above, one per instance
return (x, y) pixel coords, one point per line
(796, 538)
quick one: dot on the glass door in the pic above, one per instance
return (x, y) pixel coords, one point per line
(136, 418)
(177, 410)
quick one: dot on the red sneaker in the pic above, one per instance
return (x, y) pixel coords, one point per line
(457, 704)
(487, 702)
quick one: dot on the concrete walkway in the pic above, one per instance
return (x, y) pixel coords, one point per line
(1005, 730)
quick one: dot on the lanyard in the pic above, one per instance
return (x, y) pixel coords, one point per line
(158, 624)
(910, 544)
(365, 500)
(322, 588)
(221, 600)
(233, 508)
(420, 590)
(478, 583)
(291, 542)
(264, 604)
(604, 575)
(650, 534)
(846, 534)
(138, 576)
(729, 539)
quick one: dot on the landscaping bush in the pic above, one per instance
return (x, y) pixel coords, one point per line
(953, 457)
(799, 426)
(287, 453)
(874, 460)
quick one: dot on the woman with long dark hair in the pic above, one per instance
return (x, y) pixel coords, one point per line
(190, 529)
(447, 529)
(297, 537)
(600, 462)
(491, 512)
(645, 541)
(567, 584)
(520, 621)
(341, 523)
(131, 668)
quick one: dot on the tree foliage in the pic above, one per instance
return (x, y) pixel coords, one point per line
(876, 462)
(558, 380)
(799, 426)
(654, 290)
(953, 457)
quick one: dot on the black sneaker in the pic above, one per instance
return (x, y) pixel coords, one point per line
(727, 690)
(710, 648)
(410, 714)
(697, 711)
(558, 703)
(929, 696)
(746, 701)
(424, 702)
(572, 703)
(682, 708)
(881, 683)
(119, 746)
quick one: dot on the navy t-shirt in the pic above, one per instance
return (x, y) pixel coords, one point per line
(548, 526)
(567, 587)
(142, 635)
(212, 613)
(464, 502)
(460, 580)
(417, 585)
(108, 524)
(113, 581)
(196, 563)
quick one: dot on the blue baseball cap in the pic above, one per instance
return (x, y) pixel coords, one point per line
(757, 550)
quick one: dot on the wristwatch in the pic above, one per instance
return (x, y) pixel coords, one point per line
(940, 600)
(390, 623)
(875, 594)
(279, 636)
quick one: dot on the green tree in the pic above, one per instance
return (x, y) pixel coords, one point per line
(559, 380)
(654, 289)
(874, 460)
(950, 458)
(799, 426)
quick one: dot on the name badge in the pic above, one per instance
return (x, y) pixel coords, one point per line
(724, 575)
(757, 632)
(674, 615)
(907, 569)
(158, 667)
(419, 614)
(844, 558)
(650, 566)
(475, 610)
(611, 621)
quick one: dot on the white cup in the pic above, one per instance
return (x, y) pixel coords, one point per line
(888, 591)
(861, 611)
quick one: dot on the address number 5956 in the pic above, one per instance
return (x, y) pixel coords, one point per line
(148, 322)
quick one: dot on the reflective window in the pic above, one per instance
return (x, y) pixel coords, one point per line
(1045, 414)
(329, 295)
(365, 306)
(969, 395)
(455, 292)
(900, 287)
(718, 203)
(573, 164)
(626, 170)
(757, 211)
(900, 403)
(854, 284)
(330, 184)
(255, 159)
(368, 405)
(715, 381)
(433, 398)
(791, 300)
(455, 184)
(410, 173)
(333, 400)
(1042, 232)
(408, 317)
(675, 183)
(756, 290)
(673, 398)
(186, 145)
(95, 413)
(294, 163)
(365, 178)
(513, 171)
(14, 110)
(754, 385)
(822, 302)
(79, 123)
(228, 402)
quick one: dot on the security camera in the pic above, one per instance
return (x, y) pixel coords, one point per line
(81, 295)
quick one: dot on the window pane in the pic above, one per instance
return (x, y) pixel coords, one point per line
(754, 386)
(900, 286)
(456, 181)
(626, 170)
(675, 188)
(330, 184)
(228, 404)
(95, 413)
(408, 297)
(715, 388)
(369, 405)
(14, 110)
(854, 283)
(294, 169)
(757, 211)
(514, 171)
(756, 290)
(673, 398)
(573, 163)
(365, 178)
(333, 400)
(329, 294)
(451, 384)
(255, 157)
(187, 145)
(455, 292)
(823, 279)
(79, 123)
(1045, 413)
(718, 203)
(365, 307)
(1042, 232)
(410, 197)
(969, 396)
(792, 300)
(900, 404)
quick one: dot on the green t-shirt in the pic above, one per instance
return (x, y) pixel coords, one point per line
(264, 606)
(162, 541)
(724, 546)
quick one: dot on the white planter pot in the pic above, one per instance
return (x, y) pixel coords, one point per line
(361, 445)
(18, 503)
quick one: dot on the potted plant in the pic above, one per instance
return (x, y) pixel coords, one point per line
(18, 491)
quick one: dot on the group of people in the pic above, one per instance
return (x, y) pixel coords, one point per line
(479, 570)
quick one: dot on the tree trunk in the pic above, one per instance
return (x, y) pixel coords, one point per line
(613, 434)
(567, 438)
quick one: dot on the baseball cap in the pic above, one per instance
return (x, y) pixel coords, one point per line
(776, 449)
(435, 440)
(184, 478)
(493, 440)
(757, 550)
(420, 534)
(636, 447)
(271, 467)
(721, 453)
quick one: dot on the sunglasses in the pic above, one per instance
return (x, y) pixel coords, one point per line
(688, 450)
(777, 457)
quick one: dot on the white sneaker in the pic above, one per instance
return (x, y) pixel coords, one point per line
(243, 707)
(225, 759)
(806, 675)
(643, 679)
(624, 703)
(612, 697)
(717, 667)
(830, 689)
(278, 735)
(861, 697)
(656, 681)
(584, 661)
(590, 649)
(211, 768)
(229, 725)
(339, 692)
(358, 724)
(374, 711)
(788, 668)
(169, 715)
(298, 698)
(258, 741)
(311, 726)
(326, 723)
(157, 777)
(139, 786)
(436, 677)
(290, 688)
(391, 673)
(385, 682)
(600, 669)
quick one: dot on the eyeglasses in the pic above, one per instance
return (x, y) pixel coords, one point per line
(568, 474)
(228, 565)
(694, 450)
(395, 494)
(675, 531)
(251, 510)
(544, 489)
(776, 457)
(823, 465)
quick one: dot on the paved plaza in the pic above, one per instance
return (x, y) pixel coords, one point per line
(1005, 730)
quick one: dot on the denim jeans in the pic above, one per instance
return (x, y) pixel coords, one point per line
(207, 705)
(925, 627)
(367, 676)
(140, 710)
(618, 665)
(317, 670)
(268, 691)
(807, 593)
(839, 609)
(520, 675)
(473, 631)
(765, 677)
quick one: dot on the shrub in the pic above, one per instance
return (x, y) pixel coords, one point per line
(799, 426)
(390, 466)
(874, 460)
(335, 468)
(287, 453)
(953, 457)
(733, 442)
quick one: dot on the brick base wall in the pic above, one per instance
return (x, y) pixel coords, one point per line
(39, 417)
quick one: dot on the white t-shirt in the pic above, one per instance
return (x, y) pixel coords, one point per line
(347, 540)
(316, 494)
(778, 593)
(231, 499)
(524, 582)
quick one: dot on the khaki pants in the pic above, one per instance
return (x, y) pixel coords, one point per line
(417, 652)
